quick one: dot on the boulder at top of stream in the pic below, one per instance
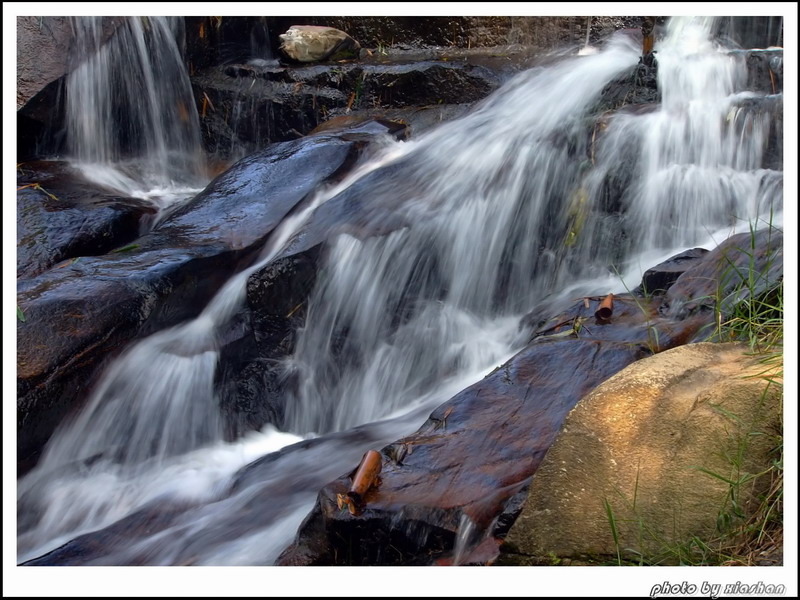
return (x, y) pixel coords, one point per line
(311, 43)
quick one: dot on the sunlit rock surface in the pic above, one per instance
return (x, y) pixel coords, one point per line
(648, 442)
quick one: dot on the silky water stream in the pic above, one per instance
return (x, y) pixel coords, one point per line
(505, 212)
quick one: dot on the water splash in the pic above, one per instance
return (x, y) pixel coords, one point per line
(131, 119)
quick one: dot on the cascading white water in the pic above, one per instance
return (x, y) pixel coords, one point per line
(131, 119)
(154, 404)
(505, 207)
(487, 193)
(698, 157)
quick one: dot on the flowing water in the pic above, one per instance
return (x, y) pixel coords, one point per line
(131, 119)
(507, 207)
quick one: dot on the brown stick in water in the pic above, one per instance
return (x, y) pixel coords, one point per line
(365, 477)
(606, 308)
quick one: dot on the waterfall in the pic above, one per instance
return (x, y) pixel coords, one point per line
(503, 207)
(487, 196)
(696, 160)
(131, 120)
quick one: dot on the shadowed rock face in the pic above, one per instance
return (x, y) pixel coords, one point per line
(251, 383)
(43, 52)
(45, 55)
(718, 276)
(658, 279)
(250, 105)
(764, 70)
(477, 451)
(84, 314)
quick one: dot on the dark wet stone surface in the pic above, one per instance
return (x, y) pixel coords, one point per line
(251, 382)
(639, 85)
(764, 70)
(658, 279)
(78, 317)
(62, 216)
(751, 110)
(722, 275)
(249, 105)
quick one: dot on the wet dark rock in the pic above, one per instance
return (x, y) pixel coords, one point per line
(251, 380)
(279, 291)
(761, 115)
(658, 279)
(639, 85)
(244, 114)
(246, 106)
(213, 41)
(723, 275)
(365, 209)
(764, 70)
(62, 216)
(427, 83)
(40, 125)
(773, 151)
(622, 171)
(419, 119)
(78, 317)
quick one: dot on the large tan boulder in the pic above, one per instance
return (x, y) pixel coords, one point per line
(645, 442)
(311, 43)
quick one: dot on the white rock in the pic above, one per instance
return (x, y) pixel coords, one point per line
(310, 43)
